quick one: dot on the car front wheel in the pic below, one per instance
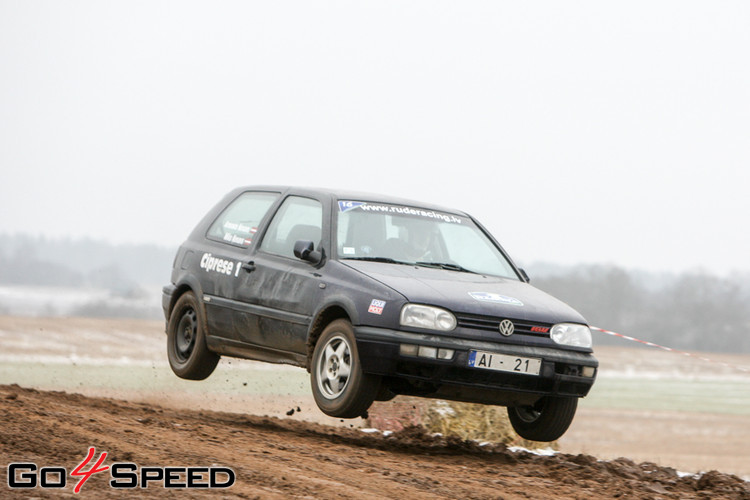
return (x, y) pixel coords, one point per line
(188, 354)
(339, 386)
(545, 421)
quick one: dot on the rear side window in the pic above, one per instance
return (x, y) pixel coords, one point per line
(297, 219)
(238, 223)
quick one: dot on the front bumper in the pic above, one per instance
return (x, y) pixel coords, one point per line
(561, 372)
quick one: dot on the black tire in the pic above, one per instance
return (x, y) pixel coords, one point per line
(339, 386)
(188, 354)
(545, 421)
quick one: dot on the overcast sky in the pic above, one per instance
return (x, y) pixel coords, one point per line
(577, 132)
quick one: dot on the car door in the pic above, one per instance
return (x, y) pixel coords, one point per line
(228, 244)
(282, 289)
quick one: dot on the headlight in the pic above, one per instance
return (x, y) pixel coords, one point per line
(571, 334)
(430, 317)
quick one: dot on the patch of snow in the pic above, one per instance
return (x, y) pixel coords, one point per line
(26, 300)
(443, 408)
(542, 452)
(689, 474)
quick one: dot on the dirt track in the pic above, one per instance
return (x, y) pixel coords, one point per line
(277, 458)
(149, 424)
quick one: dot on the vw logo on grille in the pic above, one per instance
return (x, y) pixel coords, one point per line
(506, 327)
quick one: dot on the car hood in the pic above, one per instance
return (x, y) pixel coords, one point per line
(470, 293)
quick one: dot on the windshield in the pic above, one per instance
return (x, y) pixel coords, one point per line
(411, 235)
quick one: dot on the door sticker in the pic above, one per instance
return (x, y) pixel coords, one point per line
(209, 263)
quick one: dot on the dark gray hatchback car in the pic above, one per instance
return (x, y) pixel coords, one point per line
(376, 297)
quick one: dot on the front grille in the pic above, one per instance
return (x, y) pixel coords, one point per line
(492, 324)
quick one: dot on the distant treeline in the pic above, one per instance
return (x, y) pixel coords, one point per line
(27, 260)
(689, 311)
(120, 281)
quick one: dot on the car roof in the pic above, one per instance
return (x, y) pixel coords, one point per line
(349, 196)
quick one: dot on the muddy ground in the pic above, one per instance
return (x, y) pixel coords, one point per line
(160, 422)
(277, 458)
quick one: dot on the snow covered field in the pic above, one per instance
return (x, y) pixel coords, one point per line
(77, 301)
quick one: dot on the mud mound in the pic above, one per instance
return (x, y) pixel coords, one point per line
(283, 458)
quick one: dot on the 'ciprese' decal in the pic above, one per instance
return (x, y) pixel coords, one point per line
(209, 263)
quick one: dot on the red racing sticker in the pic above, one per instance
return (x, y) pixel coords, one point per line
(376, 306)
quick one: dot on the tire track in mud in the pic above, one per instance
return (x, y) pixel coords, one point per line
(284, 458)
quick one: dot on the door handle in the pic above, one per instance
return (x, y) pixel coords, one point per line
(249, 267)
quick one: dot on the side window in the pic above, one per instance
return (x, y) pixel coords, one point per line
(297, 219)
(238, 222)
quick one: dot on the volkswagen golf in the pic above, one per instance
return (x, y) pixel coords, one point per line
(375, 297)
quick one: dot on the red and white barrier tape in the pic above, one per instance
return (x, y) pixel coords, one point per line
(684, 353)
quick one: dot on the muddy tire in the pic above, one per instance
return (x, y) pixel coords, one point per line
(545, 421)
(339, 386)
(188, 354)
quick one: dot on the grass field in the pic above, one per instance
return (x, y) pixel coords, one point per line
(227, 379)
(730, 396)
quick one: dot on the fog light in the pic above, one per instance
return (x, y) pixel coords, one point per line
(588, 371)
(408, 350)
(445, 354)
(427, 352)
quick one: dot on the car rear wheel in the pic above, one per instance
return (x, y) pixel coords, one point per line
(545, 421)
(339, 386)
(188, 354)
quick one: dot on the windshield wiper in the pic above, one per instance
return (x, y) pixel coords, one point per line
(447, 266)
(386, 260)
(436, 265)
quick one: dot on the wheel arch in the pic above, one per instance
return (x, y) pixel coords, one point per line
(327, 314)
(187, 285)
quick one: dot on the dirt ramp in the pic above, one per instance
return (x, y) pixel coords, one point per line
(285, 458)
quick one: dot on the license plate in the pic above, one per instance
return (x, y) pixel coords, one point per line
(504, 363)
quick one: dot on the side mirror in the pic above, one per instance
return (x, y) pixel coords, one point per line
(305, 250)
(525, 276)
